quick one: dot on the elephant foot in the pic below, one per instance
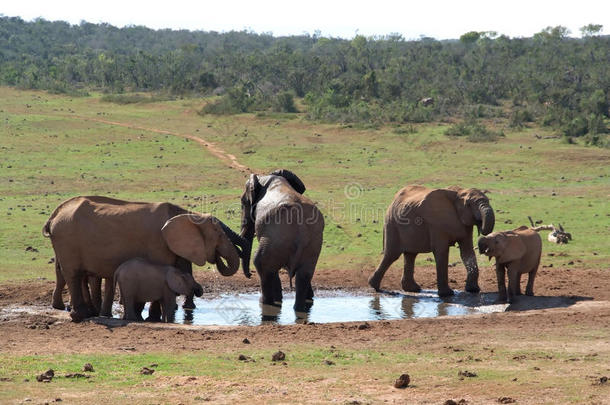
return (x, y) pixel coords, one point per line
(374, 282)
(59, 305)
(529, 293)
(473, 288)
(78, 316)
(445, 292)
(189, 304)
(411, 286)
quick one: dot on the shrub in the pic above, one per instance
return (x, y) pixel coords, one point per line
(284, 102)
(474, 131)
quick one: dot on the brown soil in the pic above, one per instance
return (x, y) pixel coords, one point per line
(52, 333)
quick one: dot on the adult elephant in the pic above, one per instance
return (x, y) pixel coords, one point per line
(422, 220)
(92, 236)
(289, 230)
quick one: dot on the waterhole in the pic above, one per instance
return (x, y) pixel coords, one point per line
(334, 306)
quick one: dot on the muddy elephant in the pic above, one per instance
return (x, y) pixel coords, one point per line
(289, 230)
(93, 235)
(517, 252)
(421, 220)
(141, 281)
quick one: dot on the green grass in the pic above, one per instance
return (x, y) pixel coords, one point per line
(52, 149)
(501, 371)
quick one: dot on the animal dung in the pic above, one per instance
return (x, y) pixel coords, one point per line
(46, 377)
(402, 381)
(146, 371)
(278, 356)
(88, 367)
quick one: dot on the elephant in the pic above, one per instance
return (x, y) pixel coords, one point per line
(93, 235)
(516, 252)
(421, 220)
(142, 281)
(289, 230)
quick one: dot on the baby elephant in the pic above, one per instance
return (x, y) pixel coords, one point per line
(518, 251)
(142, 281)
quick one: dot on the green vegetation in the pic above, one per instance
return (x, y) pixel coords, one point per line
(55, 147)
(560, 82)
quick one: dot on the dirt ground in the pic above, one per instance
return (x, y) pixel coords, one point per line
(583, 284)
(52, 333)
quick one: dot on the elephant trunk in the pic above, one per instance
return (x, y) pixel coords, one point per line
(229, 251)
(244, 247)
(487, 219)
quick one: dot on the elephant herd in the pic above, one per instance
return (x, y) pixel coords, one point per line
(148, 248)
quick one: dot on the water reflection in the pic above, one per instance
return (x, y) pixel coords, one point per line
(333, 306)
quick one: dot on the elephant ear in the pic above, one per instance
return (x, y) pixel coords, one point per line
(184, 237)
(460, 202)
(176, 282)
(292, 178)
(511, 247)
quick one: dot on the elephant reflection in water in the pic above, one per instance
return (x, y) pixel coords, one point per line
(406, 307)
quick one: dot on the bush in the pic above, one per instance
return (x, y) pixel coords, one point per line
(284, 102)
(474, 132)
(519, 117)
(133, 98)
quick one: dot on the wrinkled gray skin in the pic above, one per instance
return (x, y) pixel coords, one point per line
(93, 235)
(289, 230)
(142, 281)
(517, 252)
(422, 220)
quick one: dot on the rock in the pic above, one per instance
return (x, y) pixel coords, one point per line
(363, 326)
(146, 371)
(278, 356)
(402, 381)
(466, 373)
(76, 375)
(329, 362)
(506, 400)
(242, 357)
(47, 376)
(88, 367)
(246, 341)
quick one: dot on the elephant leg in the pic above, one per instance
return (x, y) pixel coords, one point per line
(513, 282)
(277, 289)
(60, 283)
(154, 311)
(138, 308)
(267, 266)
(75, 286)
(390, 255)
(408, 281)
(529, 289)
(518, 285)
(302, 286)
(88, 301)
(131, 309)
(309, 295)
(441, 256)
(500, 275)
(169, 306)
(187, 267)
(108, 297)
(470, 262)
(95, 288)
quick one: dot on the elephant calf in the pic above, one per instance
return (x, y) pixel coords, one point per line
(517, 252)
(141, 281)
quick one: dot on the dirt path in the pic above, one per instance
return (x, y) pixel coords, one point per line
(214, 149)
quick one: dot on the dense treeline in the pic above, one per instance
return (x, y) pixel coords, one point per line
(550, 78)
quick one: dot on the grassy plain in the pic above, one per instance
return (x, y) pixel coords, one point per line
(54, 147)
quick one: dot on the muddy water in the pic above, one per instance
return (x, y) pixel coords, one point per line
(334, 306)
